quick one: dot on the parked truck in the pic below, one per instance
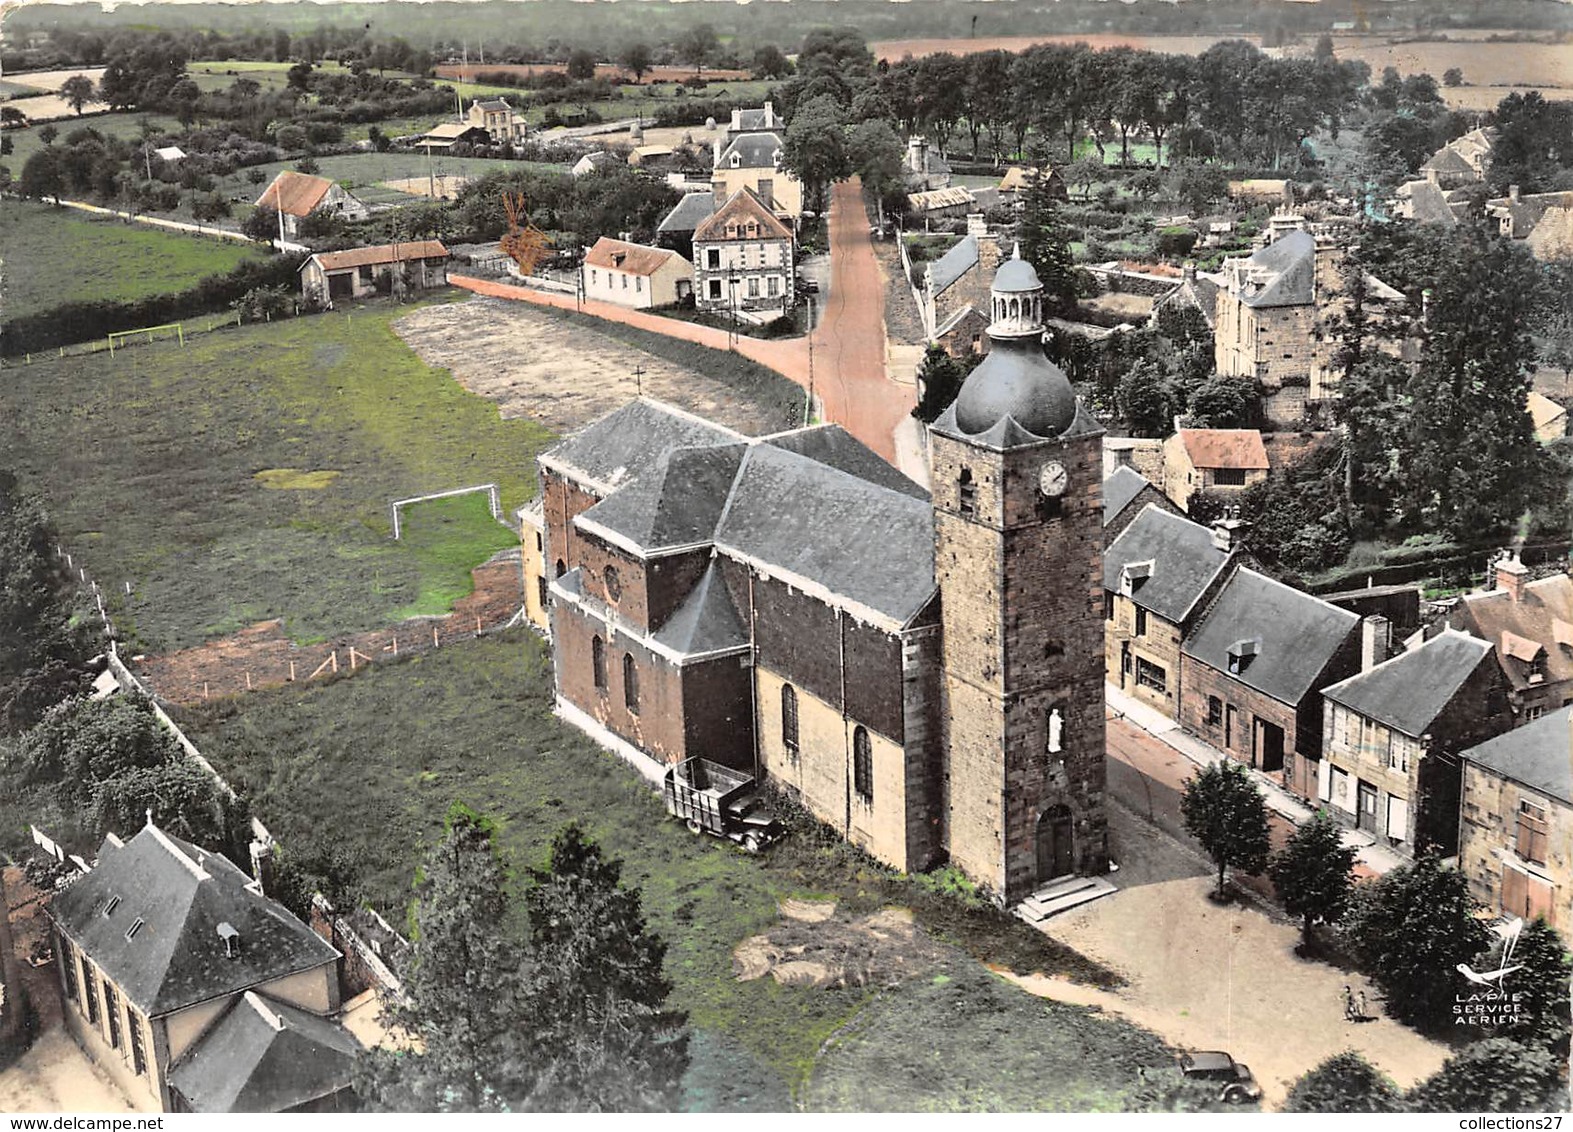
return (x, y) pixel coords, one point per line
(718, 800)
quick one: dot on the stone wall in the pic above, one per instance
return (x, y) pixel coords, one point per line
(1488, 839)
(1160, 645)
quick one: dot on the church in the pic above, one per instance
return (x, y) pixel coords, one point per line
(923, 672)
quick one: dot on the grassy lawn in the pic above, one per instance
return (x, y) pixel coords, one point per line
(370, 764)
(363, 173)
(26, 142)
(202, 475)
(109, 259)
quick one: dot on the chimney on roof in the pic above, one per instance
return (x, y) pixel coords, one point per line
(262, 865)
(770, 115)
(1376, 639)
(1188, 271)
(1510, 574)
(1229, 531)
(715, 150)
(977, 227)
(1512, 193)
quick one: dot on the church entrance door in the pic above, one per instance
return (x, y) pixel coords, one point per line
(1055, 856)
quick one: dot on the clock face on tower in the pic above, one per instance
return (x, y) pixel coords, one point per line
(1053, 480)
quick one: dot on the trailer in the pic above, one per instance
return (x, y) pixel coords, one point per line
(720, 801)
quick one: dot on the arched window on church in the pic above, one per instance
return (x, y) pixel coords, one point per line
(863, 764)
(1015, 308)
(789, 718)
(966, 494)
(562, 568)
(630, 684)
(598, 662)
(1056, 731)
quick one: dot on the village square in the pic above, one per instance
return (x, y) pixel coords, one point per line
(558, 561)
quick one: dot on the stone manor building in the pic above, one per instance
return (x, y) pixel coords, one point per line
(924, 673)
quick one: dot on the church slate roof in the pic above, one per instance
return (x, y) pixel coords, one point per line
(1124, 485)
(1295, 635)
(1184, 562)
(262, 1055)
(706, 622)
(1535, 754)
(960, 259)
(676, 503)
(687, 213)
(626, 442)
(753, 151)
(181, 894)
(833, 445)
(815, 525)
(1409, 691)
(1280, 275)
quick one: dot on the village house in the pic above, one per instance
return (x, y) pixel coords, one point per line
(1018, 179)
(1197, 290)
(774, 604)
(357, 272)
(488, 121)
(1221, 461)
(1157, 577)
(634, 275)
(744, 261)
(1126, 492)
(1529, 624)
(1426, 202)
(676, 230)
(1543, 220)
(1252, 670)
(188, 986)
(295, 196)
(1516, 827)
(1392, 734)
(753, 162)
(1275, 320)
(1463, 161)
(955, 290)
(754, 120)
(1142, 454)
(600, 159)
(925, 167)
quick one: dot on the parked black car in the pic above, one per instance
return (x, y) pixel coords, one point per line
(1236, 1085)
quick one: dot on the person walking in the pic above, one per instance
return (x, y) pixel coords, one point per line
(1349, 1004)
(1365, 1015)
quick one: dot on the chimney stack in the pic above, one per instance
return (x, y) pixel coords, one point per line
(1511, 573)
(1512, 193)
(1229, 531)
(262, 866)
(1376, 638)
(1188, 271)
(976, 226)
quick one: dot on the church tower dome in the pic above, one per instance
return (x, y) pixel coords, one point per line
(1015, 380)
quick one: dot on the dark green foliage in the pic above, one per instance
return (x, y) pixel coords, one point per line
(1142, 400)
(1494, 1075)
(1410, 929)
(1046, 244)
(1541, 986)
(1198, 184)
(41, 653)
(1169, 1090)
(1223, 401)
(1345, 1082)
(940, 378)
(1296, 515)
(1225, 811)
(815, 147)
(1313, 873)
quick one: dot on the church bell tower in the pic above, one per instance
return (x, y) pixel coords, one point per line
(1016, 469)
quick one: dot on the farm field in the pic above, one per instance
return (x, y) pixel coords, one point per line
(471, 71)
(369, 765)
(364, 174)
(109, 259)
(26, 142)
(248, 475)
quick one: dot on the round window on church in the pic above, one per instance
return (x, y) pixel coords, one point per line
(614, 584)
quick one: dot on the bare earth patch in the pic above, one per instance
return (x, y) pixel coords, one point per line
(535, 366)
(814, 947)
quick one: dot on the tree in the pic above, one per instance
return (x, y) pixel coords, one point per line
(1452, 77)
(608, 1042)
(1142, 400)
(1046, 244)
(1494, 1075)
(636, 60)
(1084, 171)
(815, 148)
(878, 157)
(48, 133)
(118, 85)
(465, 987)
(1222, 400)
(697, 46)
(771, 63)
(940, 377)
(581, 64)
(1410, 929)
(1223, 809)
(1198, 184)
(1345, 1082)
(78, 92)
(1313, 873)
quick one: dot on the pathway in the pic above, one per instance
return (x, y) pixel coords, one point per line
(173, 225)
(843, 361)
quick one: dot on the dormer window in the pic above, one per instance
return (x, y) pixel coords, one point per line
(737, 161)
(1241, 653)
(1133, 574)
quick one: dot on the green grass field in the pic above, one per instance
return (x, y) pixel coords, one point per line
(108, 259)
(370, 764)
(26, 142)
(150, 464)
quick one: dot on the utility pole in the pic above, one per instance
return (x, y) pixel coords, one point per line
(809, 410)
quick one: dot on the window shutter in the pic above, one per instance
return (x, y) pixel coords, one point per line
(1397, 818)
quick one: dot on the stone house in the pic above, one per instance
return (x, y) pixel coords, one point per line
(753, 162)
(1223, 461)
(1126, 493)
(188, 986)
(1252, 670)
(1392, 733)
(1516, 822)
(635, 275)
(754, 120)
(353, 274)
(1157, 578)
(532, 538)
(295, 196)
(1529, 625)
(774, 603)
(744, 260)
(488, 121)
(1463, 161)
(955, 290)
(925, 167)
(1018, 179)
(1518, 215)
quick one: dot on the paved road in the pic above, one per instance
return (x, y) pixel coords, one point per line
(846, 366)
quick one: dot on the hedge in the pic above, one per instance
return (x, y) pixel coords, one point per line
(85, 321)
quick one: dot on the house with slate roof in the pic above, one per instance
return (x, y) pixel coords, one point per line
(774, 603)
(1126, 493)
(1463, 161)
(676, 230)
(1392, 733)
(1529, 624)
(1158, 576)
(753, 162)
(1518, 215)
(1516, 821)
(187, 984)
(1252, 671)
(925, 166)
(753, 120)
(955, 291)
(296, 196)
(745, 261)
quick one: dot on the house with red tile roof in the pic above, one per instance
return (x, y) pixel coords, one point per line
(1222, 460)
(296, 196)
(358, 272)
(636, 275)
(1529, 623)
